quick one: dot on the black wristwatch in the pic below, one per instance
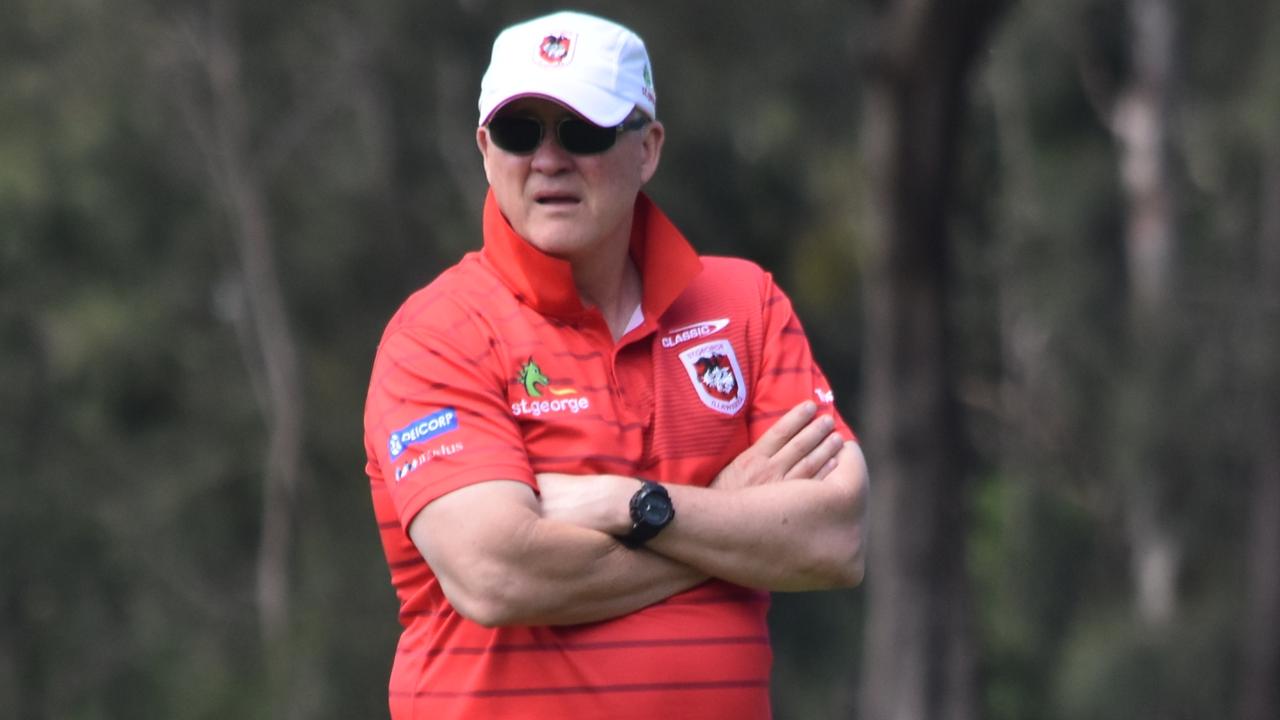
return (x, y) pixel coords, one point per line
(651, 510)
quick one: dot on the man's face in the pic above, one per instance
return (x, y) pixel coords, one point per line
(569, 205)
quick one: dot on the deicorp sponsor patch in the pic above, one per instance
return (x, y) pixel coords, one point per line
(422, 430)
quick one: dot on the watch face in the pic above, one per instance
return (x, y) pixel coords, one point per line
(655, 509)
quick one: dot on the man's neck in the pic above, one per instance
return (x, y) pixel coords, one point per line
(610, 282)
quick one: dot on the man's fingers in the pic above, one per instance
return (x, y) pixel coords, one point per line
(822, 445)
(799, 445)
(802, 443)
(782, 431)
(826, 469)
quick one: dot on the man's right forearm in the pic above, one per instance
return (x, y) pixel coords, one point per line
(565, 575)
(506, 565)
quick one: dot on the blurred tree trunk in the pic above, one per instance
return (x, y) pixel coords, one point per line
(271, 345)
(1260, 626)
(218, 116)
(1140, 121)
(920, 659)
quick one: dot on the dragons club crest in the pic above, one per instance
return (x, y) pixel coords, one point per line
(716, 376)
(556, 49)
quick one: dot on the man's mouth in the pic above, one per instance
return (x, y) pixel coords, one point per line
(555, 199)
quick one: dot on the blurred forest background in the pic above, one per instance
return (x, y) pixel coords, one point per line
(1036, 246)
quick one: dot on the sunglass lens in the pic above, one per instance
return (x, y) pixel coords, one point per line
(583, 138)
(516, 134)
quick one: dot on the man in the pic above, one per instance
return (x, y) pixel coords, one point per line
(593, 453)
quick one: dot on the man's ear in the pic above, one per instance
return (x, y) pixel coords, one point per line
(482, 143)
(654, 135)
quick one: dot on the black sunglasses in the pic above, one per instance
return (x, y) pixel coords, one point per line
(521, 135)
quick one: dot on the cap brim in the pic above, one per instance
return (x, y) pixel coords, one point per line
(600, 107)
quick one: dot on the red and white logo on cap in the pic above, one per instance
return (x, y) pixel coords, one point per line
(713, 369)
(557, 49)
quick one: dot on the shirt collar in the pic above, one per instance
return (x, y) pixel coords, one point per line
(664, 258)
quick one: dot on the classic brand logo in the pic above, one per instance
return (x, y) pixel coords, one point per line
(693, 332)
(422, 430)
(557, 49)
(713, 368)
(534, 382)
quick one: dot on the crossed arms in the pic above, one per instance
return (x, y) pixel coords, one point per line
(786, 514)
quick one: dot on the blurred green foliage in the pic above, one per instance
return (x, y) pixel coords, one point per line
(133, 428)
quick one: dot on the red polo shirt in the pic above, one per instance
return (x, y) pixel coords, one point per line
(496, 371)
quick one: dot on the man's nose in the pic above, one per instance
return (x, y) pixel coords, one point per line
(550, 156)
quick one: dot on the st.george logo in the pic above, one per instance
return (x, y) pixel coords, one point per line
(535, 382)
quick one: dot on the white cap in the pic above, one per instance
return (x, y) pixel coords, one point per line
(595, 67)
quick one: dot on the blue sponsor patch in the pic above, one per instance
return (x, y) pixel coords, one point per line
(422, 430)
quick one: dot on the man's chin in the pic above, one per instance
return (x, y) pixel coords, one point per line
(558, 240)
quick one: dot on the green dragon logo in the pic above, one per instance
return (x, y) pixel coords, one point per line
(535, 381)
(531, 375)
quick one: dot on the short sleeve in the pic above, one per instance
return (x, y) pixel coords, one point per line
(788, 374)
(436, 417)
